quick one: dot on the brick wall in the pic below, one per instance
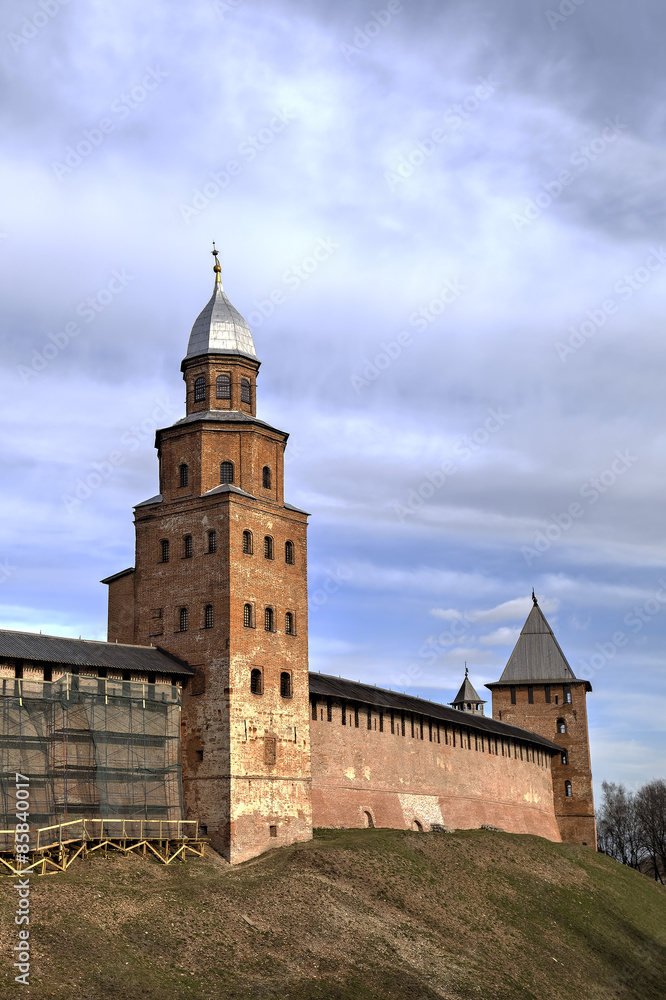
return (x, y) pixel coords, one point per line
(399, 780)
(121, 625)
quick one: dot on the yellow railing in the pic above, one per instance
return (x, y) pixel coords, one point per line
(98, 829)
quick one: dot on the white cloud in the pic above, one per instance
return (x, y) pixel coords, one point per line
(501, 637)
(448, 614)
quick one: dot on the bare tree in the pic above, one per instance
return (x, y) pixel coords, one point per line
(619, 834)
(650, 803)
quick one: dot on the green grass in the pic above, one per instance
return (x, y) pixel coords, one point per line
(373, 914)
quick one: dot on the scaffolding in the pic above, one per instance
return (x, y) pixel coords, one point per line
(92, 748)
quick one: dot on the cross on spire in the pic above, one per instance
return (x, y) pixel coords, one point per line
(216, 266)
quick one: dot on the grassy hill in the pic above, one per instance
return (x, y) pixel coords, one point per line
(373, 914)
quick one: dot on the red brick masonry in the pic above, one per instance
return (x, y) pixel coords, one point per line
(448, 774)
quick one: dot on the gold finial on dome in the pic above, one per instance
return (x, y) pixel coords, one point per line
(216, 267)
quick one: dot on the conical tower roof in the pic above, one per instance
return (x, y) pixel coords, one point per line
(467, 693)
(537, 655)
(219, 328)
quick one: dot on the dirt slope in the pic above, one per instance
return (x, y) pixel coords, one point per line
(354, 914)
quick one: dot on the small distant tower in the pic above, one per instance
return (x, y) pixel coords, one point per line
(467, 700)
(540, 692)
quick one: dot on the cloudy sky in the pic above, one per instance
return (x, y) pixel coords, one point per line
(471, 366)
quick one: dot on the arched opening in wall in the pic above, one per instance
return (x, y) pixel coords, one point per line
(285, 684)
(199, 389)
(247, 543)
(268, 620)
(266, 478)
(226, 472)
(247, 615)
(289, 553)
(417, 826)
(183, 475)
(245, 391)
(268, 547)
(568, 791)
(561, 726)
(369, 821)
(223, 387)
(256, 683)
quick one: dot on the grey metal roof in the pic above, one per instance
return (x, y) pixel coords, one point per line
(223, 417)
(354, 691)
(297, 510)
(220, 329)
(89, 653)
(117, 576)
(146, 503)
(467, 693)
(229, 488)
(537, 655)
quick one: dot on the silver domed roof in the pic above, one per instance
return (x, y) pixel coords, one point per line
(219, 328)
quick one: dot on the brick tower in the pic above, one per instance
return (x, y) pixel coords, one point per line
(220, 580)
(539, 691)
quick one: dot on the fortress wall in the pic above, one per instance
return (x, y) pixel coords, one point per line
(359, 773)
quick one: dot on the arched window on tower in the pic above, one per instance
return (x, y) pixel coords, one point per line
(208, 616)
(183, 475)
(285, 684)
(561, 726)
(183, 623)
(247, 543)
(289, 623)
(164, 548)
(256, 682)
(199, 389)
(247, 615)
(289, 553)
(212, 541)
(187, 547)
(568, 791)
(227, 472)
(268, 547)
(223, 387)
(245, 391)
(268, 619)
(266, 478)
